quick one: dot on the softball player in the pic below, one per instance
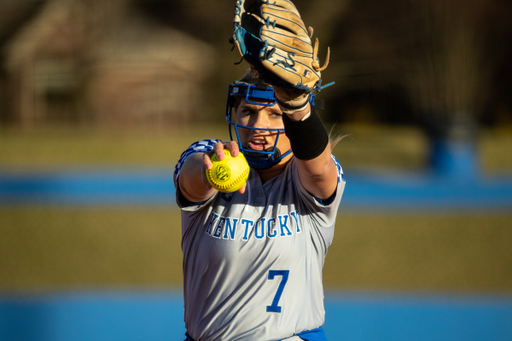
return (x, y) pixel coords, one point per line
(252, 259)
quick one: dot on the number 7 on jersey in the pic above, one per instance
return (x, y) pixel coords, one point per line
(274, 308)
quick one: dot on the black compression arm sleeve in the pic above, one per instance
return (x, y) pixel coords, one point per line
(308, 138)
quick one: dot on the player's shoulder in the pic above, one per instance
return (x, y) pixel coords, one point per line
(201, 146)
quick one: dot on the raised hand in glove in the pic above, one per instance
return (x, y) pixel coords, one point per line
(271, 36)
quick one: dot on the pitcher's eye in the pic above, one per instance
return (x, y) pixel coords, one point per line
(248, 111)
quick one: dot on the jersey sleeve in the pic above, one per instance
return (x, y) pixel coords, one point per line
(202, 146)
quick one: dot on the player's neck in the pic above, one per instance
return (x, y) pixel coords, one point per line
(269, 173)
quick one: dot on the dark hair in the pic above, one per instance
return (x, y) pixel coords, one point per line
(250, 77)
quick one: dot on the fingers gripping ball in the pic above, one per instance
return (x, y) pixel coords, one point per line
(229, 174)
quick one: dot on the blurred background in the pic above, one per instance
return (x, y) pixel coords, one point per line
(98, 100)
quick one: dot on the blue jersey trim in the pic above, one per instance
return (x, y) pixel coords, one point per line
(203, 146)
(328, 201)
(341, 178)
(317, 334)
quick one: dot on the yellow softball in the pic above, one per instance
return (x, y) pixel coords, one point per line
(229, 174)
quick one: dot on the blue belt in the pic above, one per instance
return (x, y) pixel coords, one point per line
(317, 334)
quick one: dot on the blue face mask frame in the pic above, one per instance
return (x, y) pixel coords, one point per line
(256, 95)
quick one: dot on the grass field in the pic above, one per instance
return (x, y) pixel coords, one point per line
(400, 148)
(48, 248)
(56, 248)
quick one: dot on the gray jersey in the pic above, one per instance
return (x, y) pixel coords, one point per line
(253, 262)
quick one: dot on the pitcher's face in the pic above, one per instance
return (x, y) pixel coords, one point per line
(265, 117)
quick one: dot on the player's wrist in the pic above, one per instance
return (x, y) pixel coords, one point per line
(290, 101)
(293, 106)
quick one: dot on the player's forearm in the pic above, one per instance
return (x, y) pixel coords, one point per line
(319, 176)
(310, 144)
(192, 180)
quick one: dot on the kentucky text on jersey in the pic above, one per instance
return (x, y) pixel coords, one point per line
(242, 229)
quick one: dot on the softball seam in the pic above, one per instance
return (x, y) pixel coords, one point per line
(233, 184)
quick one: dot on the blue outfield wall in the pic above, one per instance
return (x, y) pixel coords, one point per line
(126, 316)
(364, 190)
(155, 316)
